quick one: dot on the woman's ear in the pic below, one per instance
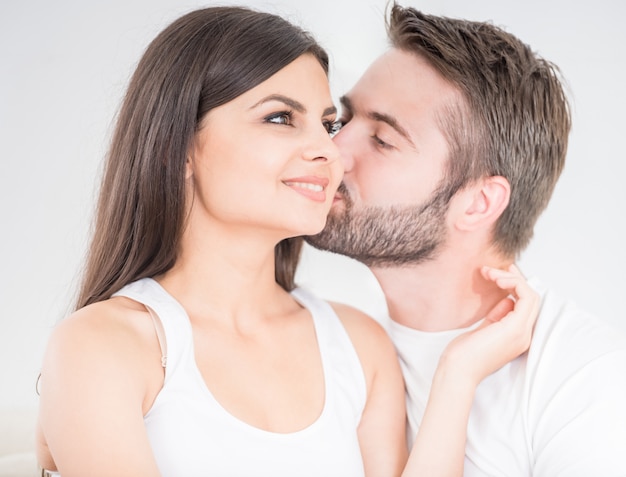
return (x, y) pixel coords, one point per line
(188, 167)
(483, 202)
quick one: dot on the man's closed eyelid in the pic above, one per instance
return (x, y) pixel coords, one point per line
(381, 143)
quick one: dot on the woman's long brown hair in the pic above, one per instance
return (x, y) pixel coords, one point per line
(202, 60)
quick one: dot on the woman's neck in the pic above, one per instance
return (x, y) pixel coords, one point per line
(225, 273)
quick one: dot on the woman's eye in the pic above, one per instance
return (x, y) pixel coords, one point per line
(332, 127)
(282, 117)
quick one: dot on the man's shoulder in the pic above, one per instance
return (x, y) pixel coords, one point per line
(565, 325)
(568, 339)
(575, 389)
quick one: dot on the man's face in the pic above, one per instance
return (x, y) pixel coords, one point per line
(391, 209)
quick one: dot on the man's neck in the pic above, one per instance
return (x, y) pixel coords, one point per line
(443, 294)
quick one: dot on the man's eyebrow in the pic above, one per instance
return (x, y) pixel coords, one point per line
(292, 103)
(380, 117)
(346, 103)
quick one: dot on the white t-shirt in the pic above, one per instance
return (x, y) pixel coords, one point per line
(558, 410)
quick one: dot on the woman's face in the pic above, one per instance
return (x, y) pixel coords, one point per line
(266, 159)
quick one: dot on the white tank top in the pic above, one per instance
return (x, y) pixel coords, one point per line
(193, 435)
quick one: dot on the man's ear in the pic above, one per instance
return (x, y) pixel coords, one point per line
(483, 202)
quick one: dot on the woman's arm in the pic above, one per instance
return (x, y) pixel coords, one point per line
(92, 394)
(439, 448)
(382, 429)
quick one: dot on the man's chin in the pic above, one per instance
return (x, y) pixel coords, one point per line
(330, 237)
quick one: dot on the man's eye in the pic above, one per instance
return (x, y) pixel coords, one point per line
(381, 143)
(333, 127)
(282, 117)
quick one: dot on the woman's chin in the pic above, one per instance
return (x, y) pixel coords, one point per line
(310, 229)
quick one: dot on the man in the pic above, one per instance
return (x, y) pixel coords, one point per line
(453, 141)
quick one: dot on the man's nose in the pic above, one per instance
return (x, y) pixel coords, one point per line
(345, 146)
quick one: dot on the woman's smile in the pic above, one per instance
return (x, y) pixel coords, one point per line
(311, 187)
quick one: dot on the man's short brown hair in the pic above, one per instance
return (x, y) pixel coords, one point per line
(514, 121)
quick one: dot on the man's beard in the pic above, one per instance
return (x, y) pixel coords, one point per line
(386, 236)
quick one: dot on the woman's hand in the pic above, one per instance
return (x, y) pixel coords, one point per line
(504, 334)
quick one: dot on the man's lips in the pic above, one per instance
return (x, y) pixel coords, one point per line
(311, 187)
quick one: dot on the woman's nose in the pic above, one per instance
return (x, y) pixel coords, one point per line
(322, 148)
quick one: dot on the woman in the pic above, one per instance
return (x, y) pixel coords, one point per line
(190, 352)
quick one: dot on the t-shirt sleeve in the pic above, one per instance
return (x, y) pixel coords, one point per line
(581, 430)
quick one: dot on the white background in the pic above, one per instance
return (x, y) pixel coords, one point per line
(65, 64)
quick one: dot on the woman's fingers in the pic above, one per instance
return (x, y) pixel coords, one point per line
(503, 308)
(518, 323)
(506, 331)
(525, 298)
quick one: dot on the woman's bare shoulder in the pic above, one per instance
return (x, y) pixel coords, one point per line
(103, 320)
(369, 338)
(118, 328)
(360, 326)
(100, 374)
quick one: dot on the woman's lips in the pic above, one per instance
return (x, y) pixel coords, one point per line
(311, 187)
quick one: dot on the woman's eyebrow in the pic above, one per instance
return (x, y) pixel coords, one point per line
(292, 103)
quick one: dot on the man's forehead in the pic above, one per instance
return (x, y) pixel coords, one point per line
(400, 65)
(400, 78)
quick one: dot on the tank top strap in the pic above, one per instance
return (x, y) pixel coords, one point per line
(171, 322)
(339, 357)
